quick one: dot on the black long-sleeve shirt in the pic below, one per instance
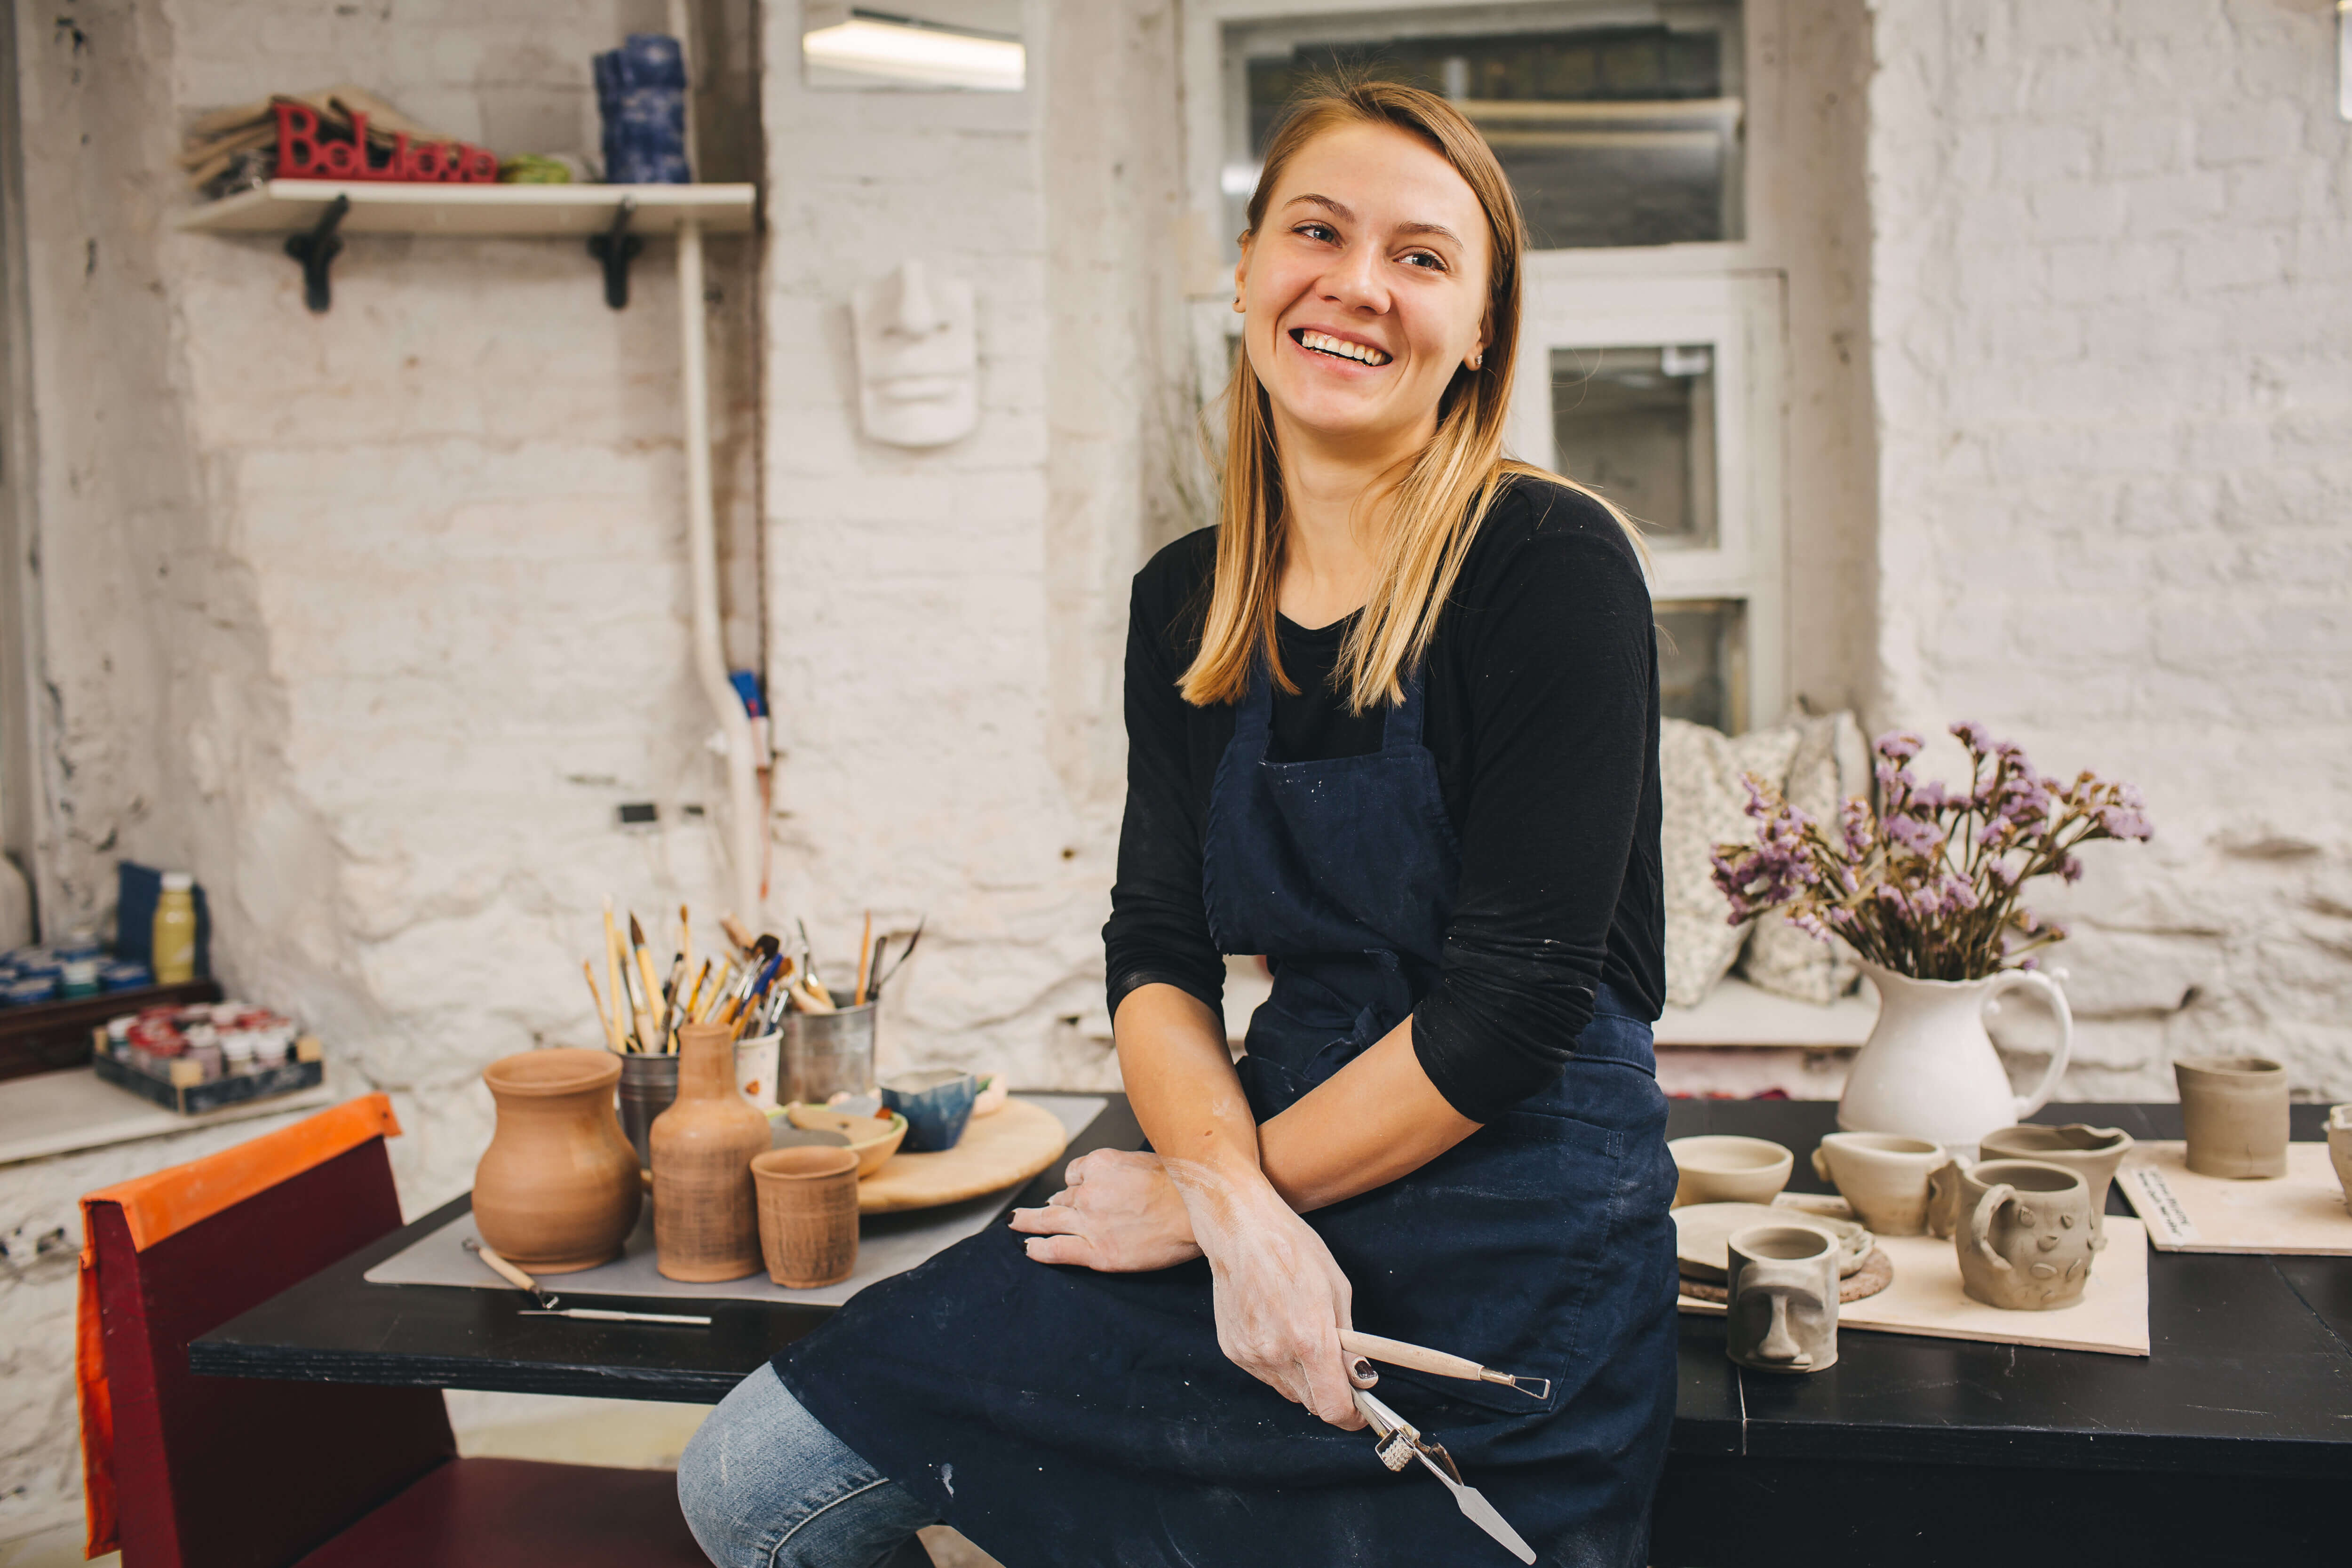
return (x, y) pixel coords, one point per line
(1543, 717)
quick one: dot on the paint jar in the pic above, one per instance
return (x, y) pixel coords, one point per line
(175, 940)
(756, 1064)
(78, 978)
(648, 1084)
(827, 1054)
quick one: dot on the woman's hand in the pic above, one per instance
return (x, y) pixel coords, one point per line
(1119, 1213)
(1281, 1298)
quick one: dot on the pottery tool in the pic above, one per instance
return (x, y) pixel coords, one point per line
(900, 962)
(865, 959)
(1396, 1353)
(813, 986)
(612, 966)
(611, 1030)
(604, 1315)
(1400, 1443)
(512, 1276)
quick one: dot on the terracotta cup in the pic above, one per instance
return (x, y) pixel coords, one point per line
(2091, 1152)
(1783, 1309)
(2234, 1108)
(1722, 1169)
(1883, 1175)
(2025, 1238)
(808, 1215)
(2339, 1147)
(557, 1191)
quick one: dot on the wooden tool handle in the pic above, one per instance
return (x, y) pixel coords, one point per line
(508, 1272)
(1396, 1353)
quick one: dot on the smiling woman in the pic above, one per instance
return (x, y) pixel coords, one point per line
(1392, 724)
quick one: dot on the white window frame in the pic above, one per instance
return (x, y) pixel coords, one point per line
(1738, 319)
(1729, 294)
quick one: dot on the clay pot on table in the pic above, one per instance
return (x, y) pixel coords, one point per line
(2091, 1152)
(705, 1211)
(557, 1191)
(2023, 1235)
(2234, 1110)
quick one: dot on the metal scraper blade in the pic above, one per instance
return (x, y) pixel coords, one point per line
(1480, 1512)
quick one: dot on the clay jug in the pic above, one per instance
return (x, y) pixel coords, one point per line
(705, 1207)
(557, 1191)
(1929, 1070)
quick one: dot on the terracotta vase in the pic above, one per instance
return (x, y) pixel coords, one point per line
(706, 1209)
(1929, 1070)
(557, 1191)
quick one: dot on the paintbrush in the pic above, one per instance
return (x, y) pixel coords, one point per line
(612, 1031)
(639, 1022)
(686, 938)
(865, 958)
(695, 994)
(646, 974)
(735, 932)
(613, 965)
(899, 963)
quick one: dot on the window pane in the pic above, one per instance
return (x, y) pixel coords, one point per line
(1612, 135)
(1638, 425)
(1703, 662)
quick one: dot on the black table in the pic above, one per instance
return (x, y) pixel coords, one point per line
(2226, 1445)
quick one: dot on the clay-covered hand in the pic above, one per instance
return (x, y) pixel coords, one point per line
(1281, 1299)
(1119, 1213)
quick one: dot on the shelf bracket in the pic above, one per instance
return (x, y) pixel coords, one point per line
(617, 248)
(315, 249)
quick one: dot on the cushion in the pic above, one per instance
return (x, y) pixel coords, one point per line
(1831, 764)
(1705, 803)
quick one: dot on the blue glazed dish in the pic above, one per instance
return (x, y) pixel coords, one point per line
(936, 1102)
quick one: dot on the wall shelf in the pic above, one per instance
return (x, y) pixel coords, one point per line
(475, 212)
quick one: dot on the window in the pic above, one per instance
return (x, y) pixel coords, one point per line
(1652, 365)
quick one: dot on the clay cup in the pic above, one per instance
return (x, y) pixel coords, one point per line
(1883, 1177)
(1722, 1169)
(1783, 1309)
(2234, 1110)
(2091, 1152)
(2025, 1236)
(2339, 1147)
(808, 1215)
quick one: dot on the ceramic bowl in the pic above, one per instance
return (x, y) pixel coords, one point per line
(871, 1140)
(1719, 1168)
(995, 1088)
(936, 1102)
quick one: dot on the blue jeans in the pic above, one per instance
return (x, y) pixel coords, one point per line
(765, 1485)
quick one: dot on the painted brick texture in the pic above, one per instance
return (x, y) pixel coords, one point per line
(2112, 344)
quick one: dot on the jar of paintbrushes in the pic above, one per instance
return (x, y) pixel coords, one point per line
(795, 1037)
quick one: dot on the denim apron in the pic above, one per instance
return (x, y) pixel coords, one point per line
(1059, 1416)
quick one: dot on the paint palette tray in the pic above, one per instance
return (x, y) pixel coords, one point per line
(182, 1085)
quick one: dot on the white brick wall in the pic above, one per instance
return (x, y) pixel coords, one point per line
(2111, 343)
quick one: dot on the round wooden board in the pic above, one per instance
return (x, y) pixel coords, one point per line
(994, 1152)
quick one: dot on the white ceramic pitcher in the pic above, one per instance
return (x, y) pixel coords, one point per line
(1929, 1070)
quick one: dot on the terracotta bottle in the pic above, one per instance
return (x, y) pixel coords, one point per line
(706, 1208)
(557, 1191)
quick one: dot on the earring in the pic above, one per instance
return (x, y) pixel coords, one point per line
(1478, 359)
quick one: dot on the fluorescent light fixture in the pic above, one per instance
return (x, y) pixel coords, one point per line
(1239, 180)
(891, 52)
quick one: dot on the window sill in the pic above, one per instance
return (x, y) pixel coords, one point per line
(62, 1112)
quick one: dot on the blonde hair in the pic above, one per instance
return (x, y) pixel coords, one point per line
(1444, 493)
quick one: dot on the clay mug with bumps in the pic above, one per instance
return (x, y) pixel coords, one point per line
(2024, 1237)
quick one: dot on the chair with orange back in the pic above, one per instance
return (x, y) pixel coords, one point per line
(203, 1472)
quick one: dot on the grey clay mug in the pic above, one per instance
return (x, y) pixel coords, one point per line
(2023, 1235)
